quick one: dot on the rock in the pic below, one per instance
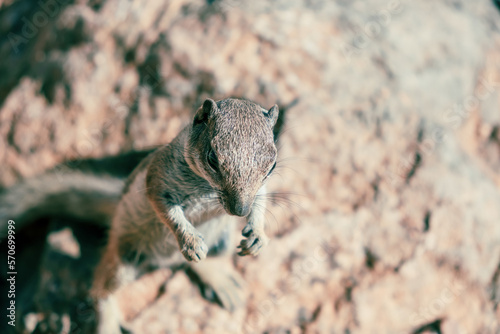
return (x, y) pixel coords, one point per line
(385, 213)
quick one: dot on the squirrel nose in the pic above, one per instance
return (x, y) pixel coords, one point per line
(240, 209)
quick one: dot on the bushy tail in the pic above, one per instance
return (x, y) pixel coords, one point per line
(73, 194)
(87, 190)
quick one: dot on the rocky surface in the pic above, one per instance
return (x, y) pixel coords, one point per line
(388, 213)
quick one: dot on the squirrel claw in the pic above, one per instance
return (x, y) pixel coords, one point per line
(247, 230)
(253, 243)
(194, 248)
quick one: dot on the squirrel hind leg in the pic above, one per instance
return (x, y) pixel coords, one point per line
(111, 319)
(110, 275)
(109, 316)
(216, 277)
(219, 282)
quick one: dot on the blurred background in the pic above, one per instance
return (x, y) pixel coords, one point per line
(388, 216)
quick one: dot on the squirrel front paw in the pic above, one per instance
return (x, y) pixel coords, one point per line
(255, 240)
(193, 247)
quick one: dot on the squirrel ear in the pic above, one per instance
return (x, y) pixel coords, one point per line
(272, 115)
(204, 112)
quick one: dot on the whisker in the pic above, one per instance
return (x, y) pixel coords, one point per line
(277, 193)
(277, 173)
(282, 200)
(294, 215)
(278, 167)
(272, 214)
(294, 158)
(288, 201)
(287, 129)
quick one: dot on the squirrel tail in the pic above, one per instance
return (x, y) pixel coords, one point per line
(74, 194)
(88, 190)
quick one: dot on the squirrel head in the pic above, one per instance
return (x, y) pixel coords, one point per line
(231, 145)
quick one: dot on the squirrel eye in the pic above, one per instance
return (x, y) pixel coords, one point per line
(272, 168)
(212, 160)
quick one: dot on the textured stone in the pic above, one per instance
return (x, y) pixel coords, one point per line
(386, 217)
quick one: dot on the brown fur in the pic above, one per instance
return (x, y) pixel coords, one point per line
(176, 200)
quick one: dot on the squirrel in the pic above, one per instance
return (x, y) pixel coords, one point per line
(177, 205)
(175, 198)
